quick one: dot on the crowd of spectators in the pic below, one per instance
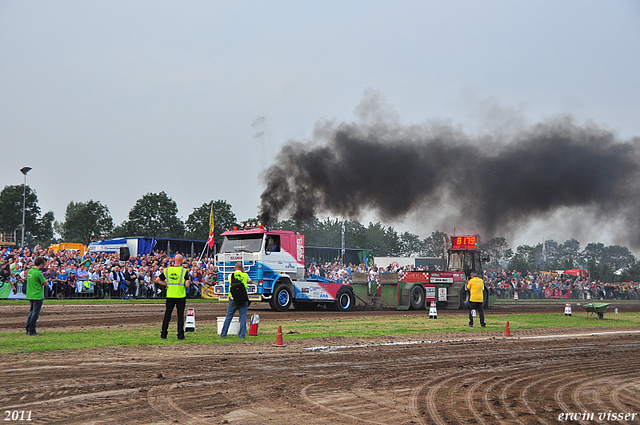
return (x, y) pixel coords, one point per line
(100, 275)
(530, 285)
(104, 275)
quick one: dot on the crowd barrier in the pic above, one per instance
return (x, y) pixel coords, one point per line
(573, 294)
(62, 291)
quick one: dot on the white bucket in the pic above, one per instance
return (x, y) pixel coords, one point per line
(234, 327)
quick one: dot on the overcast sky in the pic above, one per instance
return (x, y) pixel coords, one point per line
(110, 100)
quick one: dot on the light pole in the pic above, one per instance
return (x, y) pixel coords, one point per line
(24, 170)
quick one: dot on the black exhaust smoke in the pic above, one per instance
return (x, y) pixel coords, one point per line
(490, 183)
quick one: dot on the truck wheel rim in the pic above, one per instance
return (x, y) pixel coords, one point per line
(283, 298)
(345, 301)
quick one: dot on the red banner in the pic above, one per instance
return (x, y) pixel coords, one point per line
(555, 293)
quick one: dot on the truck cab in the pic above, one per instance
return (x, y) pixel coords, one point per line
(464, 256)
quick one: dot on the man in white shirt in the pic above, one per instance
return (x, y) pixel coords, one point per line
(96, 281)
(82, 276)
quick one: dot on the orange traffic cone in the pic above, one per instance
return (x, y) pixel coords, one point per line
(506, 330)
(279, 341)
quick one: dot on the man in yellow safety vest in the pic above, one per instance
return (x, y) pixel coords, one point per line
(176, 279)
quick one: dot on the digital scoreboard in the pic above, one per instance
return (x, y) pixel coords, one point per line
(464, 242)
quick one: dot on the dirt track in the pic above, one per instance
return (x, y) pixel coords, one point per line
(525, 379)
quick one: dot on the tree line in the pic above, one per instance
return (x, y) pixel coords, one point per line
(156, 215)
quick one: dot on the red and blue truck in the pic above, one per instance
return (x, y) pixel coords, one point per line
(274, 261)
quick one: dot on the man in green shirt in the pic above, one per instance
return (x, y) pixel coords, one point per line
(35, 294)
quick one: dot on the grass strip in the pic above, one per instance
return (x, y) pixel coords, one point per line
(19, 342)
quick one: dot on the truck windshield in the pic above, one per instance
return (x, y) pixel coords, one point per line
(242, 243)
(463, 261)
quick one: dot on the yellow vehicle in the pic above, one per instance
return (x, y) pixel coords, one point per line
(7, 239)
(64, 246)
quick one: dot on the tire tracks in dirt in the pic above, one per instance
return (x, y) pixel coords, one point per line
(490, 381)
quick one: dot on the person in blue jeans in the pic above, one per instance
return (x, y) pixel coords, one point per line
(35, 294)
(241, 276)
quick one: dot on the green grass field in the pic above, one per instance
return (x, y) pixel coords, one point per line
(17, 342)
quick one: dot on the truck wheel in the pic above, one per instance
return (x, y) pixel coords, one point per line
(344, 300)
(281, 299)
(417, 297)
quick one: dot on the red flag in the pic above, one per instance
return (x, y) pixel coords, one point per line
(210, 241)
